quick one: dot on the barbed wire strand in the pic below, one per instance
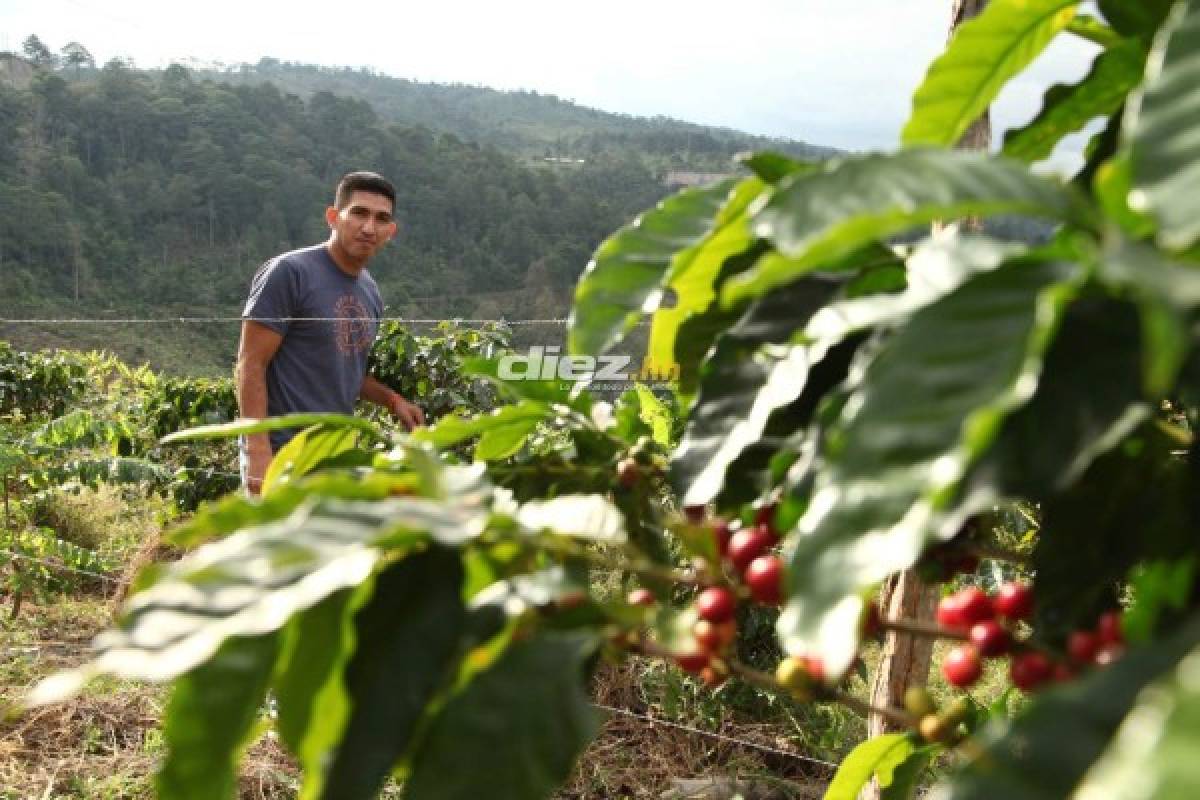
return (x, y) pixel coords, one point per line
(190, 320)
(58, 565)
(511, 323)
(77, 451)
(720, 736)
(76, 650)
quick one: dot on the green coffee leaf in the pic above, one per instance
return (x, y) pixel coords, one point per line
(692, 281)
(244, 427)
(773, 167)
(1086, 548)
(1066, 109)
(212, 712)
(626, 276)
(757, 383)
(585, 516)
(1154, 753)
(1135, 19)
(879, 756)
(252, 582)
(984, 54)
(305, 452)
(751, 372)
(818, 218)
(505, 429)
(929, 403)
(519, 725)
(1162, 126)
(1161, 590)
(308, 682)
(407, 636)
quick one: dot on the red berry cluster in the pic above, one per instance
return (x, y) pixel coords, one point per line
(747, 554)
(747, 551)
(987, 623)
(1101, 645)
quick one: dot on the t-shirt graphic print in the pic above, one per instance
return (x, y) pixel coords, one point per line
(355, 329)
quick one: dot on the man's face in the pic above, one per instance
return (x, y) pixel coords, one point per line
(364, 225)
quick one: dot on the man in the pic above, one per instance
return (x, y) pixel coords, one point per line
(309, 323)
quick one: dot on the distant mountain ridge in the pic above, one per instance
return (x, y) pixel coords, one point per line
(157, 193)
(525, 123)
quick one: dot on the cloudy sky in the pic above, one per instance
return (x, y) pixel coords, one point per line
(831, 72)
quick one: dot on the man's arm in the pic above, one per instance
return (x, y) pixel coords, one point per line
(255, 351)
(409, 414)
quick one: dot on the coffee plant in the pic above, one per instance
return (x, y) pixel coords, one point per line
(34, 383)
(428, 369)
(854, 407)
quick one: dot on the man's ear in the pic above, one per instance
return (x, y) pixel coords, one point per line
(391, 229)
(331, 215)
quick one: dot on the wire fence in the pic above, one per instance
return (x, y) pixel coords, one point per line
(204, 320)
(717, 736)
(61, 566)
(81, 451)
(625, 712)
(74, 651)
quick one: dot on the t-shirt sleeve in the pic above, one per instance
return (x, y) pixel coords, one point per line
(273, 296)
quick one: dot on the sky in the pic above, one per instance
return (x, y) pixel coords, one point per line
(839, 73)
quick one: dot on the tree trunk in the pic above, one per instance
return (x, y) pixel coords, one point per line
(979, 135)
(905, 660)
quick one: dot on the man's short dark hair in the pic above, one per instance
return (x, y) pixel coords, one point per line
(363, 182)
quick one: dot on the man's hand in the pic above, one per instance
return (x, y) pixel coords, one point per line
(258, 458)
(410, 414)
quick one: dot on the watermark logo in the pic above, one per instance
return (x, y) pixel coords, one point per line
(548, 364)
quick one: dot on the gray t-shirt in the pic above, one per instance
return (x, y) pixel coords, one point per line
(321, 363)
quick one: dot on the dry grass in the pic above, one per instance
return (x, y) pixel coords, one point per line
(105, 743)
(633, 758)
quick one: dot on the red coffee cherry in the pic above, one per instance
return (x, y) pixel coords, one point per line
(1108, 653)
(1029, 670)
(816, 667)
(1108, 628)
(975, 605)
(964, 608)
(1082, 646)
(721, 536)
(713, 677)
(693, 662)
(764, 577)
(962, 666)
(949, 613)
(748, 544)
(990, 638)
(714, 638)
(765, 515)
(1014, 601)
(641, 597)
(629, 472)
(716, 604)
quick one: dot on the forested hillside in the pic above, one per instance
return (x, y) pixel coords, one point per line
(157, 193)
(525, 123)
(172, 188)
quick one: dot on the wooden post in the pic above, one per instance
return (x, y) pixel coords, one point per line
(906, 659)
(19, 590)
